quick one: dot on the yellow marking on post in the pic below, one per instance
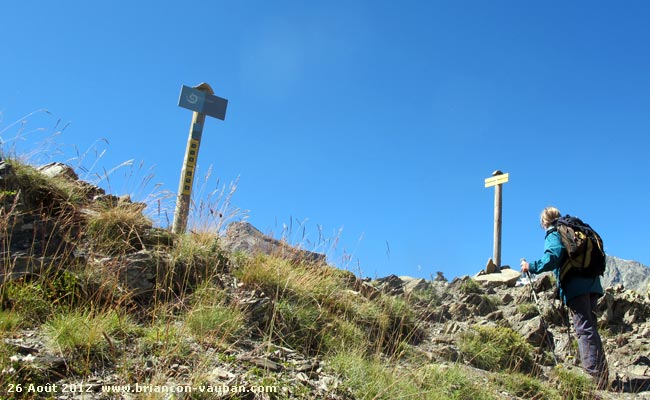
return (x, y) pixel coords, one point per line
(496, 180)
(190, 164)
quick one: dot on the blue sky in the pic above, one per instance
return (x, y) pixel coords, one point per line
(366, 128)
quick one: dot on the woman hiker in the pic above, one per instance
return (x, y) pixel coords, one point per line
(579, 294)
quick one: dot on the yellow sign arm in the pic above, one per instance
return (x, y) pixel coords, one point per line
(496, 180)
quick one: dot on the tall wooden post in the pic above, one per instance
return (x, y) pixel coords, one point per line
(202, 101)
(497, 180)
(186, 181)
(498, 207)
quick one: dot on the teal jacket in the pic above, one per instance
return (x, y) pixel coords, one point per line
(552, 260)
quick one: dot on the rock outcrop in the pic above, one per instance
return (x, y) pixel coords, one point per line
(501, 277)
(244, 237)
(44, 228)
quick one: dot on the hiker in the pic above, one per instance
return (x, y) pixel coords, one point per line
(578, 293)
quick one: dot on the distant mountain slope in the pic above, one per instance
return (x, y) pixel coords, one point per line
(631, 274)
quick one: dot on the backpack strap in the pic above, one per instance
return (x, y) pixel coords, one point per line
(565, 264)
(552, 228)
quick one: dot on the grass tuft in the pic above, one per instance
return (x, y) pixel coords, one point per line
(29, 300)
(496, 349)
(309, 299)
(9, 321)
(88, 335)
(524, 386)
(212, 319)
(371, 378)
(527, 310)
(114, 230)
(470, 286)
(574, 385)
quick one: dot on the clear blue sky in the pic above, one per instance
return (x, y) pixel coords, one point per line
(375, 122)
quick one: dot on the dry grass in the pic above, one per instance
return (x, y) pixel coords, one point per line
(315, 308)
(191, 315)
(497, 349)
(116, 229)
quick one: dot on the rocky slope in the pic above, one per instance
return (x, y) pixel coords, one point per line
(447, 313)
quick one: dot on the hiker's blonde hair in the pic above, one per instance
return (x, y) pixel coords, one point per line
(548, 216)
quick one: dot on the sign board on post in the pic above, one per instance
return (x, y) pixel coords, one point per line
(496, 180)
(203, 102)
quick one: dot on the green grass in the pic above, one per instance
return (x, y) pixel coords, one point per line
(88, 335)
(215, 324)
(524, 386)
(197, 314)
(167, 340)
(527, 310)
(574, 385)
(114, 229)
(197, 248)
(372, 378)
(427, 298)
(300, 325)
(59, 196)
(343, 334)
(454, 382)
(470, 286)
(9, 320)
(279, 277)
(493, 301)
(308, 299)
(29, 300)
(212, 318)
(37, 299)
(194, 258)
(496, 349)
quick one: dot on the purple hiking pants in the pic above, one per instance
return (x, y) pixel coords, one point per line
(592, 355)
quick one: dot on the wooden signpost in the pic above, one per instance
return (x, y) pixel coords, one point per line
(202, 101)
(497, 180)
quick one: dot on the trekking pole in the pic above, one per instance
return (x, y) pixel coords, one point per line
(565, 313)
(541, 317)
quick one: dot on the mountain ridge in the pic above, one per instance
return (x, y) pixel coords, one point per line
(631, 274)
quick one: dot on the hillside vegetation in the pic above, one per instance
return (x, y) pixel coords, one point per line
(97, 303)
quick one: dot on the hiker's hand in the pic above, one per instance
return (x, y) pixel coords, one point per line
(524, 265)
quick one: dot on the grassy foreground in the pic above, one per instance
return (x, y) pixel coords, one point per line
(206, 308)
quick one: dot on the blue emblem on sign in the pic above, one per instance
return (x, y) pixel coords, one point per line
(202, 102)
